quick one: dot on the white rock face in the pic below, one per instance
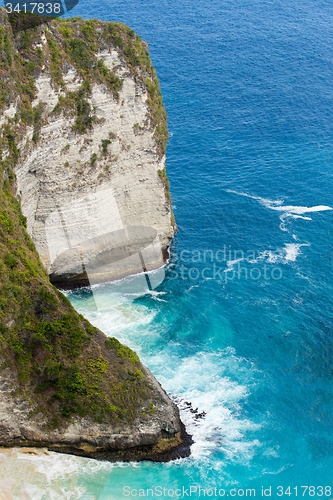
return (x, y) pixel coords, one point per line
(60, 171)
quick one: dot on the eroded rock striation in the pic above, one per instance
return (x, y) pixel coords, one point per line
(83, 198)
(92, 148)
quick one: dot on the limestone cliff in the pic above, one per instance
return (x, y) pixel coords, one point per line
(82, 138)
(86, 114)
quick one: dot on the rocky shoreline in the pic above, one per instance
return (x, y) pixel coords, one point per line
(161, 437)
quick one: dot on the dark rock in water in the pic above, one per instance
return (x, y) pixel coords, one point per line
(200, 415)
(182, 451)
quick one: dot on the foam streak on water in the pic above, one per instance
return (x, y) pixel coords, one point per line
(289, 210)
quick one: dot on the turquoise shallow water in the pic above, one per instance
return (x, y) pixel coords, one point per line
(248, 90)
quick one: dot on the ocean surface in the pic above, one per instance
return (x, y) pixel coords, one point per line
(241, 326)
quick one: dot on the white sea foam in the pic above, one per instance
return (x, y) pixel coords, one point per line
(288, 210)
(122, 318)
(213, 392)
(291, 251)
(155, 295)
(292, 210)
(283, 255)
(55, 477)
(191, 288)
(103, 295)
(232, 263)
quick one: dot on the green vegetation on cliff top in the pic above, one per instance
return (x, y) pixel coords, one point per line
(74, 42)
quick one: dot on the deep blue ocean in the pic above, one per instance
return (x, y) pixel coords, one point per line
(241, 326)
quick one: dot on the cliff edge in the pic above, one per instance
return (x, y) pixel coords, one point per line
(80, 102)
(82, 136)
